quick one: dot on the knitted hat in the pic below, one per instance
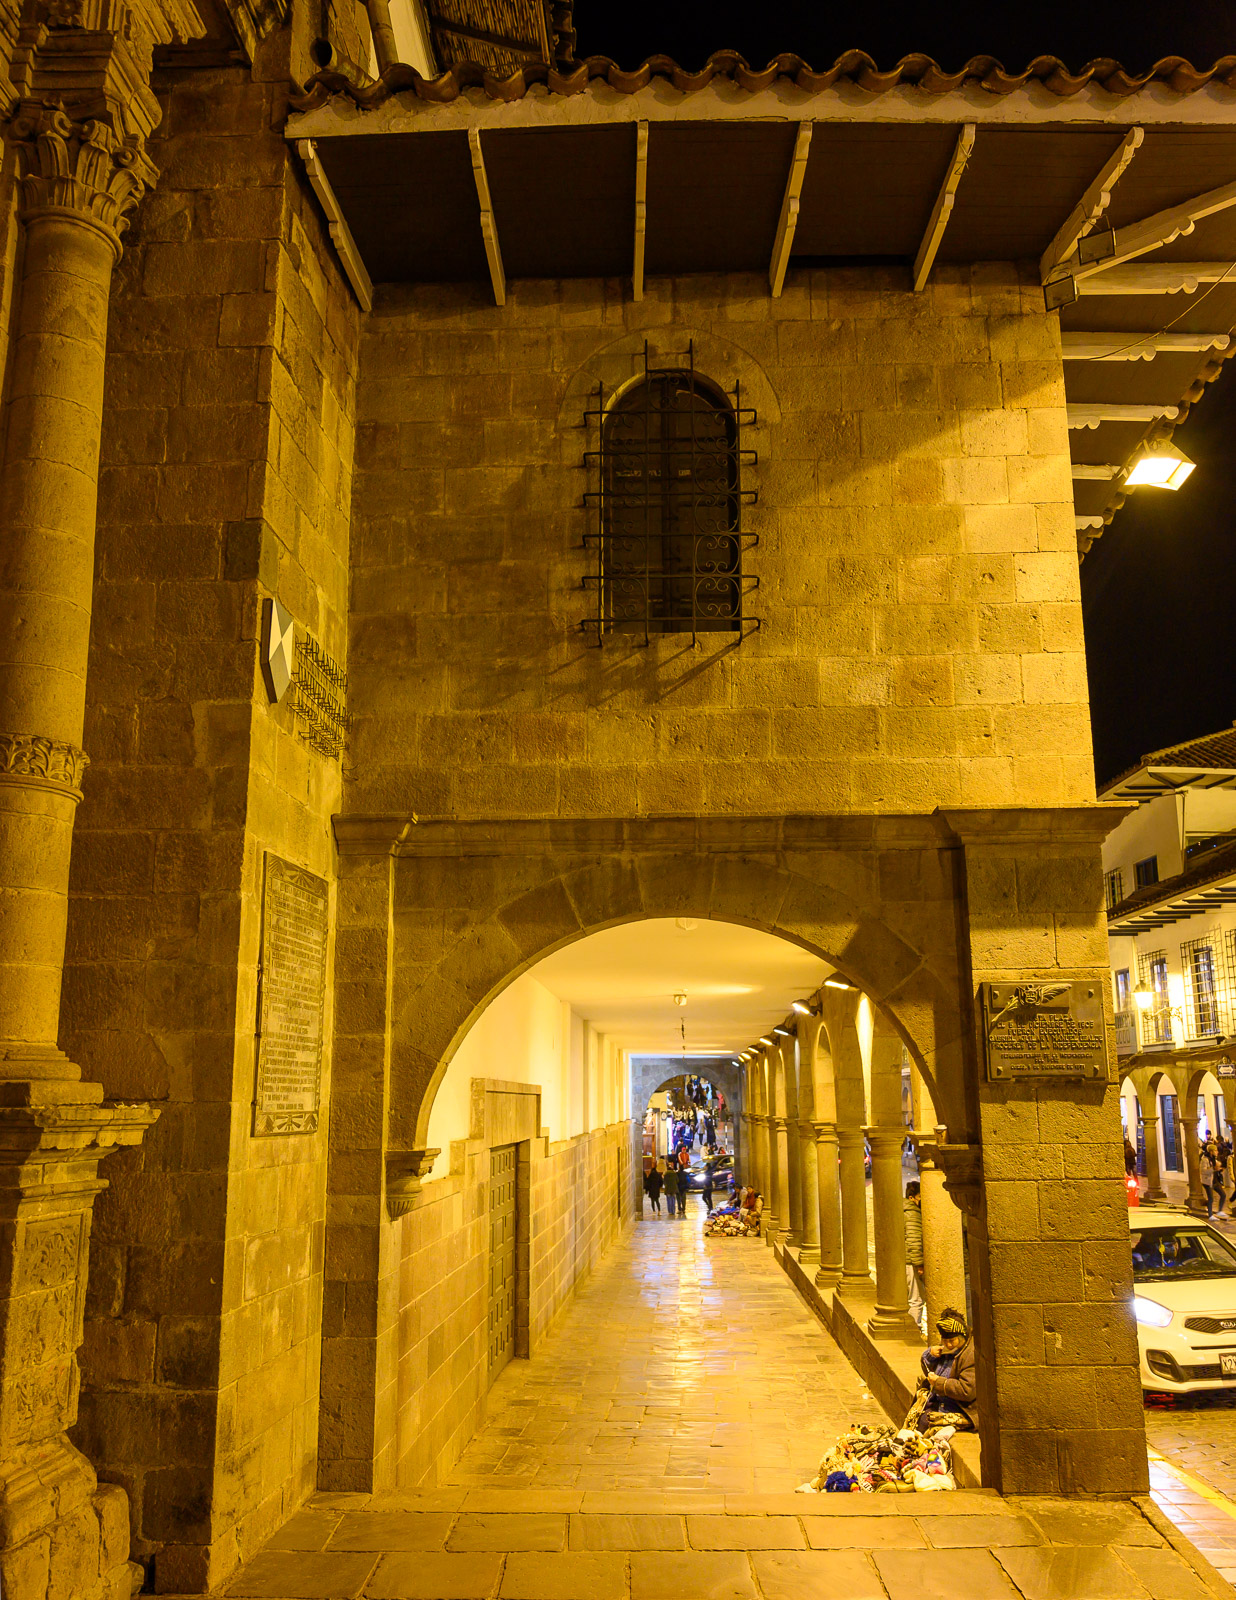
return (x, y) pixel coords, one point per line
(951, 1323)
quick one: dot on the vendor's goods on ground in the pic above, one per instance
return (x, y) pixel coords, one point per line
(885, 1459)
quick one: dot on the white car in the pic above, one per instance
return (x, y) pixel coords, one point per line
(1184, 1298)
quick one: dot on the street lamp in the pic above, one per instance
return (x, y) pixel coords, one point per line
(1160, 466)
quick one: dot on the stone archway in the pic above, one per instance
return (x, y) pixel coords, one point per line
(550, 884)
(915, 911)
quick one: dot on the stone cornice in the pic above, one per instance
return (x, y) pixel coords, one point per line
(1051, 825)
(91, 59)
(405, 835)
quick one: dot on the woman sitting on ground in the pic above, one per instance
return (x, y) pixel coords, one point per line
(948, 1371)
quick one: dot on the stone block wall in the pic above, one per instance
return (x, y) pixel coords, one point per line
(575, 1215)
(921, 635)
(226, 477)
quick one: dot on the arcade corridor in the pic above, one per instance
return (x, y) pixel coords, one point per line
(682, 1364)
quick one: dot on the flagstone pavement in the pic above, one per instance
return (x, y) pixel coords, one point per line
(649, 1451)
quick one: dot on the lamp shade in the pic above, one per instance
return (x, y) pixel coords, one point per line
(1143, 997)
(1159, 466)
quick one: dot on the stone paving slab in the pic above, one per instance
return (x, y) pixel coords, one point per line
(858, 1547)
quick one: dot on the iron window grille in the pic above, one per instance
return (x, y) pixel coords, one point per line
(1157, 1022)
(1113, 885)
(1205, 987)
(668, 539)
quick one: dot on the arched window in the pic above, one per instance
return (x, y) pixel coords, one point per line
(670, 538)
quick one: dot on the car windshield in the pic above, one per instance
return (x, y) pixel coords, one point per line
(1185, 1250)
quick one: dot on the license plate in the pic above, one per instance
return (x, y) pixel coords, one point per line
(1227, 1366)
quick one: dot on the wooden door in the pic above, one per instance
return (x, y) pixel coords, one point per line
(502, 1169)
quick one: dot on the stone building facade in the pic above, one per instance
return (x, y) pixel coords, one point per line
(892, 771)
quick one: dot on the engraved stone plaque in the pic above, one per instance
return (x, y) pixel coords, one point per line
(1043, 1031)
(292, 995)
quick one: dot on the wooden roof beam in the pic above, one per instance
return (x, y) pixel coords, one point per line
(340, 233)
(1152, 232)
(943, 208)
(1093, 474)
(1090, 207)
(489, 228)
(788, 220)
(641, 209)
(1136, 346)
(1090, 416)
(1159, 277)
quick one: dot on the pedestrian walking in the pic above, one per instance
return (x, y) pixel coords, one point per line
(706, 1190)
(1221, 1177)
(653, 1183)
(672, 1193)
(912, 1205)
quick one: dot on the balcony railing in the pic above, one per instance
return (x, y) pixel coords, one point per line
(1126, 1033)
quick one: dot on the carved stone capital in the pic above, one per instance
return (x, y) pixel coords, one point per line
(37, 763)
(80, 169)
(404, 1171)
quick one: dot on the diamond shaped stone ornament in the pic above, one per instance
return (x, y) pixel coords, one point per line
(278, 649)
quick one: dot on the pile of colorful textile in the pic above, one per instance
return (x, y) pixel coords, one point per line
(885, 1459)
(725, 1224)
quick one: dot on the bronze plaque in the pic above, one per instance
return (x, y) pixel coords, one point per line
(292, 997)
(1043, 1030)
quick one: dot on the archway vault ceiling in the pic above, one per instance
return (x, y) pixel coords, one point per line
(737, 980)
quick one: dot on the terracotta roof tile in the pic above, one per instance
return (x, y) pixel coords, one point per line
(855, 66)
(1213, 750)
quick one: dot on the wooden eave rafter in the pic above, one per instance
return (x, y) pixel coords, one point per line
(341, 235)
(641, 209)
(1156, 277)
(943, 208)
(787, 222)
(1137, 346)
(1092, 415)
(1091, 206)
(1084, 472)
(489, 228)
(1152, 233)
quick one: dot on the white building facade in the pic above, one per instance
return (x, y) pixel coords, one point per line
(1170, 884)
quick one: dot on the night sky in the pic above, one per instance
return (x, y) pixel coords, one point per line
(1159, 588)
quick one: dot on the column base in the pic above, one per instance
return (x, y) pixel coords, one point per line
(856, 1288)
(62, 1533)
(891, 1325)
(793, 1238)
(827, 1277)
(1155, 1194)
(808, 1253)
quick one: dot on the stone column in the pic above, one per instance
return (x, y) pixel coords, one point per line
(810, 1248)
(84, 111)
(48, 495)
(794, 1184)
(1154, 1174)
(774, 1196)
(891, 1318)
(828, 1182)
(944, 1257)
(856, 1265)
(1193, 1163)
(779, 1151)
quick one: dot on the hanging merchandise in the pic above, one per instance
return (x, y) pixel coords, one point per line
(885, 1460)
